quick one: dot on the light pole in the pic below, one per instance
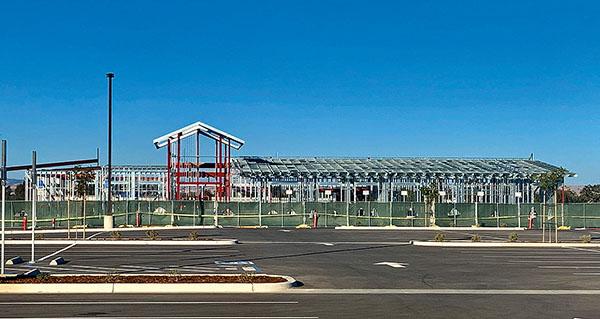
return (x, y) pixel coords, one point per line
(3, 185)
(108, 218)
(33, 203)
(518, 195)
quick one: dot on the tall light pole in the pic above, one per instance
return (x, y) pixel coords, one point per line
(3, 185)
(108, 219)
(33, 203)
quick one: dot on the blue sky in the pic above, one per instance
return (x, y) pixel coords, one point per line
(323, 78)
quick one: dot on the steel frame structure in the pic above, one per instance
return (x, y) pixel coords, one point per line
(187, 176)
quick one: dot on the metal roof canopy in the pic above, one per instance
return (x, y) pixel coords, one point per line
(391, 166)
(204, 129)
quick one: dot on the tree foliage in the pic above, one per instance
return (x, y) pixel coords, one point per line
(430, 194)
(550, 181)
(589, 194)
(82, 179)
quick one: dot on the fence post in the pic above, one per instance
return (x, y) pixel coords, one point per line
(238, 215)
(215, 211)
(584, 217)
(282, 213)
(194, 212)
(369, 212)
(347, 213)
(391, 222)
(260, 213)
(326, 214)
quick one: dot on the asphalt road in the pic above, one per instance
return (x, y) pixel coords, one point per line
(344, 275)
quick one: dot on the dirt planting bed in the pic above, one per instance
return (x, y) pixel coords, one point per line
(98, 279)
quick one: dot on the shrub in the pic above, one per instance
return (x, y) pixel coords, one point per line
(476, 238)
(513, 237)
(439, 237)
(586, 239)
(152, 234)
(43, 276)
(116, 235)
(193, 235)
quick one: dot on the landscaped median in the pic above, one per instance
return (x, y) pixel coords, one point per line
(128, 242)
(147, 283)
(438, 228)
(502, 244)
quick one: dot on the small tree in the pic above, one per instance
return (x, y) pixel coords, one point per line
(430, 194)
(548, 184)
(83, 178)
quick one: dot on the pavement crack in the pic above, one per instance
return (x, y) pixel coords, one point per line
(424, 281)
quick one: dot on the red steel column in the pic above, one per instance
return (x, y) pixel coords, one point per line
(197, 179)
(168, 184)
(177, 194)
(229, 170)
(216, 170)
(220, 167)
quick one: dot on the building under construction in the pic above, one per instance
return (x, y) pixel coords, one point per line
(200, 166)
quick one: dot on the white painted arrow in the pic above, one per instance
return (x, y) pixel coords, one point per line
(391, 264)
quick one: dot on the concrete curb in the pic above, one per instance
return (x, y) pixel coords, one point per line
(96, 230)
(219, 242)
(128, 288)
(429, 228)
(502, 245)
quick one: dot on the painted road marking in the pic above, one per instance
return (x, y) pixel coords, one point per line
(68, 247)
(171, 317)
(391, 264)
(139, 267)
(585, 249)
(24, 303)
(556, 261)
(569, 267)
(395, 243)
(586, 273)
(442, 292)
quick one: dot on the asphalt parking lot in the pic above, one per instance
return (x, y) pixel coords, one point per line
(350, 274)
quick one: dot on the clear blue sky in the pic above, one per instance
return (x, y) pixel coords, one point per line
(323, 78)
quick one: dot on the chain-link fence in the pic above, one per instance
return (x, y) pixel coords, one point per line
(290, 214)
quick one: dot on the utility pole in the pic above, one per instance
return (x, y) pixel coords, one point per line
(108, 218)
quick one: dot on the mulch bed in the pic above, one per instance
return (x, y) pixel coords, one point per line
(193, 279)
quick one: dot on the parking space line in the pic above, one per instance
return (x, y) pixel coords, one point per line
(569, 267)
(100, 268)
(557, 261)
(187, 317)
(44, 303)
(66, 248)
